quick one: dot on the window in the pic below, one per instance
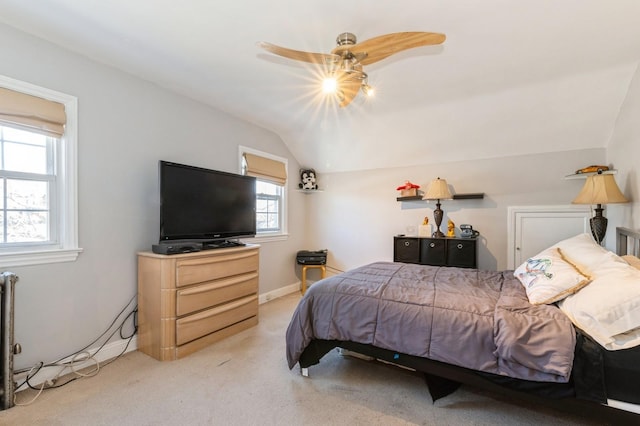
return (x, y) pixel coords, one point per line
(27, 187)
(268, 202)
(38, 213)
(271, 176)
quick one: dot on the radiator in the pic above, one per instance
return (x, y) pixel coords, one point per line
(7, 346)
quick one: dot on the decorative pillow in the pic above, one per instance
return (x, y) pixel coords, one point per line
(632, 260)
(550, 276)
(608, 309)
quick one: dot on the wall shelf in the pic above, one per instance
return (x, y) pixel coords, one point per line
(477, 196)
(411, 198)
(309, 191)
(585, 175)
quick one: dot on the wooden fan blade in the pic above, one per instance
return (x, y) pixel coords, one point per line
(378, 48)
(298, 55)
(349, 88)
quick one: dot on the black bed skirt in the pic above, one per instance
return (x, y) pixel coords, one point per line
(597, 375)
(318, 348)
(600, 374)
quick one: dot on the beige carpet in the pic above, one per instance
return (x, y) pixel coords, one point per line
(244, 380)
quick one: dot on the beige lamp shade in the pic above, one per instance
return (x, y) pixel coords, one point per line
(438, 190)
(600, 189)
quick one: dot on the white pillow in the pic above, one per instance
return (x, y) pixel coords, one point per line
(549, 277)
(608, 309)
(632, 260)
(585, 253)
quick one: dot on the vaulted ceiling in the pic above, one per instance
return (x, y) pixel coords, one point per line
(513, 77)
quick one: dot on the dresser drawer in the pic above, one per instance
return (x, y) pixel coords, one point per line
(201, 296)
(205, 322)
(461, 253)
(208, 268)
(406, 250)
(433, 251)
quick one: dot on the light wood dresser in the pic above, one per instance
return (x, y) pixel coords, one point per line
(188, 301)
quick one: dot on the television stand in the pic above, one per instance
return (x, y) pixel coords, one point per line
(210, 245)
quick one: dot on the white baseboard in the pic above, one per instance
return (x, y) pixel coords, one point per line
(109, 351)
(282, 291)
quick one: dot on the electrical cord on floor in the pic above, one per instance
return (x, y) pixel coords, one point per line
(81, 356)
(133, 313)
(105, 332)
(331, 268)
(39, 390)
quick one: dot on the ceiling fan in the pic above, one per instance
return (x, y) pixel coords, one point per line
(346, 60)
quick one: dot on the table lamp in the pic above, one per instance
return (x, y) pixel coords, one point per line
(599, 189)
(438, 190)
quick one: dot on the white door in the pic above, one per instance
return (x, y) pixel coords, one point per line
(534, 228)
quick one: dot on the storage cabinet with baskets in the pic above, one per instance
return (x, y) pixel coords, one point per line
(448, 251)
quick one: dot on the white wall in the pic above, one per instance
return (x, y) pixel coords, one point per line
(125, 126)
(357, 215)
(624, 153)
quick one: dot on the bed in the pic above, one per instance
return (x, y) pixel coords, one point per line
(551, 330)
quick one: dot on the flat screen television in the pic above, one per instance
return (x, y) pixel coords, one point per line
(202, 205)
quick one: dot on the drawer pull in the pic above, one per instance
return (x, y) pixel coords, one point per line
(460, 246)
(406, 243)
(432, 245)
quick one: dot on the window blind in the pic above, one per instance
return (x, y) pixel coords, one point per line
(32, 113)
(265, 168)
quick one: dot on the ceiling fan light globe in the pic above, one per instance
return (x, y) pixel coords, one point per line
(329, 85)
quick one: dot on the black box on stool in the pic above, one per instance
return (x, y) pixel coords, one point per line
(312, 257)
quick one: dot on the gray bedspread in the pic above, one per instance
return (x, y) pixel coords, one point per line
(476, 319)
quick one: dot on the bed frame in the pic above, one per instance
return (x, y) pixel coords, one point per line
(627, 242)
(443, 378)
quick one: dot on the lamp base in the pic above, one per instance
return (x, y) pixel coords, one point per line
(437, 215)
(598, 225)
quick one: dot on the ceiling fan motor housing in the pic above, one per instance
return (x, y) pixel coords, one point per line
(346, 39)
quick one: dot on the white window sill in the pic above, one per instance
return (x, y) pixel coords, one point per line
(259, 239)
(41, 257)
